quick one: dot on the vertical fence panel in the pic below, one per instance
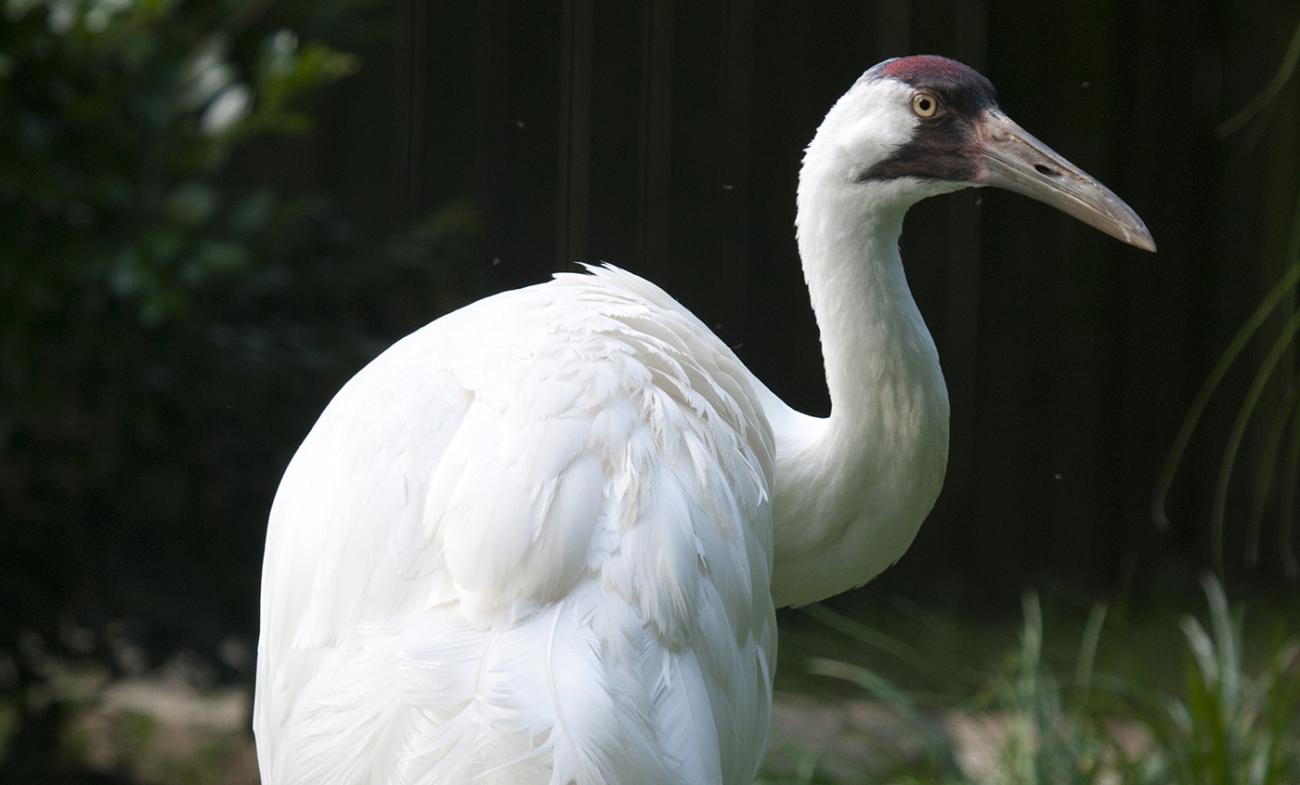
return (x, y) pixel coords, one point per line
(655, 147)
(574, 155)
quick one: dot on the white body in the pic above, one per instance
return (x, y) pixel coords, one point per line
(540, 540)
(523, 567)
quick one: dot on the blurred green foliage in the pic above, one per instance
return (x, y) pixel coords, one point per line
(1235, 721)
(166, 329)
(117, 118)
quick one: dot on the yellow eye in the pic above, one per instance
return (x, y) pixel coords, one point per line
(924, 104)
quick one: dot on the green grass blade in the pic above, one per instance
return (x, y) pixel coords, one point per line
(1269, 94)
(875, 685)
(1268, 466)
(881, 689)
(1031, 632)
(1287, 503)
(860, 632)
(1221, 366)
(1202, 649)
(1087, 657)
(1227, 643)
(1238, 432)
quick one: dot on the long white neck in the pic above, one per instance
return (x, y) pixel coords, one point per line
(851, 490)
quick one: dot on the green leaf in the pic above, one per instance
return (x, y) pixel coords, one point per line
(284, 79)
(193, 203)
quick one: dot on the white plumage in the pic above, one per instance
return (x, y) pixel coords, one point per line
(530, 542)
(541, 539)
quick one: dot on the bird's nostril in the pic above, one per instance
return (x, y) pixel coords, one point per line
(1047, 170)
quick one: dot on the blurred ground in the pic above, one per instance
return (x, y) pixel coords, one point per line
(919, 695)
(166, 730)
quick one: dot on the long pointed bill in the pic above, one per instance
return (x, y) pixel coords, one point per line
(1013, 159)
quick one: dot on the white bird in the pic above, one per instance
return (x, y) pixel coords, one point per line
(541, 539)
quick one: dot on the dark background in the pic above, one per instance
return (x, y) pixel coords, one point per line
(180, 303)
(666, 137)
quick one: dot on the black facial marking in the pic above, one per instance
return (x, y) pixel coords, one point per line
(942, 149)
(943, 146)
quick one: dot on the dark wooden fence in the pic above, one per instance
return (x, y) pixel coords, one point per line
(666, 137)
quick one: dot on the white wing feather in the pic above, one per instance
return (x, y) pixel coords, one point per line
(529, 543)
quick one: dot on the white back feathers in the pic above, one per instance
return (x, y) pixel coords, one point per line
(528, 543)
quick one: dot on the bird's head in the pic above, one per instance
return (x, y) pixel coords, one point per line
(916, 126)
